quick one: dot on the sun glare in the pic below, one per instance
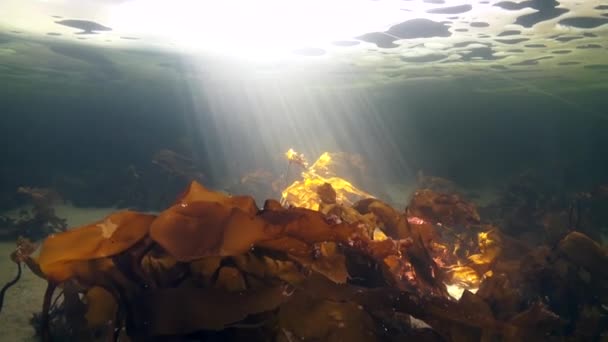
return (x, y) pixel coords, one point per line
(261, 28)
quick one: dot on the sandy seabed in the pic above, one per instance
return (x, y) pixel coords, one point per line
(25, 298)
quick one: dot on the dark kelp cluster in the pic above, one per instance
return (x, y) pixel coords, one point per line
(38, 221)
(531, 209)
(214, 267)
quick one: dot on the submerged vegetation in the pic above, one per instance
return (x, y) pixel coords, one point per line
(36, 222)
(331, 262)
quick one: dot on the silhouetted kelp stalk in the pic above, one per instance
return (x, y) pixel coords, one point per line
(21, 254)
(9, 284)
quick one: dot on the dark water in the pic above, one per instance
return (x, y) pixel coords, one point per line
(91, 133)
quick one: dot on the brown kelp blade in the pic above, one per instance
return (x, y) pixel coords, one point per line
(198, 193)
(199, 229)
(110, 236)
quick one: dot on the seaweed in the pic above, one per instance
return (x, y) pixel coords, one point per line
(217, 267)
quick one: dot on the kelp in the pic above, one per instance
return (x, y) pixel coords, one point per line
(305, 193)
(214, 266)
(63, 255)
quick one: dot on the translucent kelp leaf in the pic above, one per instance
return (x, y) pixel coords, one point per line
(463, 276)
(490, 246)
(198, 193)
(61, 254)
(307, 225)
(200, 229)
(104, 238)
(305, 193)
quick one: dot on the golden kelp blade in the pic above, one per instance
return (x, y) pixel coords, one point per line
(104, 238)
(303, 193)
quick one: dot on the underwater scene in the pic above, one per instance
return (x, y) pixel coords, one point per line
(304, 170)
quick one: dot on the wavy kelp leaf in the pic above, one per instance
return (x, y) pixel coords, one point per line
(110, 236)
(198, 193)
(312, 227)
(89, 272)
(200, 229)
